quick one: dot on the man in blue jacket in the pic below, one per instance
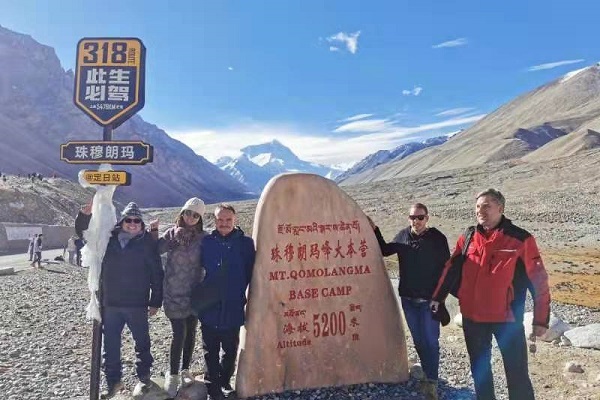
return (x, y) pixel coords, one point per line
(228, 257)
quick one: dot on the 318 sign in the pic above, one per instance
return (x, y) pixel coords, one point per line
(106, 53)
(109, 78)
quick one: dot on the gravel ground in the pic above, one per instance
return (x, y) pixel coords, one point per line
(45, 345)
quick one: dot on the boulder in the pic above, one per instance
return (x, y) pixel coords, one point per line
(555, 329)
(585, 336)
(321, 308)
(458, 319)
(7, 271)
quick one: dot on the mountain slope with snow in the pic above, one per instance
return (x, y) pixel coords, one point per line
(385, 156)
(260, 162)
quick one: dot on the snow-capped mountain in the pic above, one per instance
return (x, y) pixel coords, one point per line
(258, 163)
(385, 156)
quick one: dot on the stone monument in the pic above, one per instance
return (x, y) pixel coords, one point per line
(321, 309)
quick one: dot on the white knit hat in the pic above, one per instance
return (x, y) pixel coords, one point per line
(194, 204)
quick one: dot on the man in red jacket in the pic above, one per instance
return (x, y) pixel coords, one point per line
(502, 261)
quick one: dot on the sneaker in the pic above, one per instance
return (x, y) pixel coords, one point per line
(227, 387)
(172, 383)
(429, 389)
(112, 390)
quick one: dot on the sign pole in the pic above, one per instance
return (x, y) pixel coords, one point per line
(97, 326)
(109, 88)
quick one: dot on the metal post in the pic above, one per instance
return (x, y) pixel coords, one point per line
(107, 134)
(97, 326)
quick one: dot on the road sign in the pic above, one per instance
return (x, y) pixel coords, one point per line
(100, 152)
(109, 78)
(122, 178)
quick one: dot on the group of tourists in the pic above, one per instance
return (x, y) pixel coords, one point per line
(134, 285)
(490, 270)
(493, 265)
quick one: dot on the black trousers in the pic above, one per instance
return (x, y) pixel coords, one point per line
(184, 339)
(511, 341)
(219, 372)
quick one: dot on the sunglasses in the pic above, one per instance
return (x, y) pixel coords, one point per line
(190, 213)
(132, 221)
(419, 217)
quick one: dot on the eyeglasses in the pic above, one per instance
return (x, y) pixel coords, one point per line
(419, 217)
(132, 221)
(190, 213)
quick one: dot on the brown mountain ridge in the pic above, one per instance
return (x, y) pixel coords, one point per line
(559, 119)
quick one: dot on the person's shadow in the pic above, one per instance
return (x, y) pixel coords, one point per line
(455, 393)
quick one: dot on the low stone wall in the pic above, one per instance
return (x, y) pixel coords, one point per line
(14, 237)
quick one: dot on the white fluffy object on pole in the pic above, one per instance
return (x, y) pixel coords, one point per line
(97, 236)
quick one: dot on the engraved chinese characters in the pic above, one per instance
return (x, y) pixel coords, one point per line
(321, 310)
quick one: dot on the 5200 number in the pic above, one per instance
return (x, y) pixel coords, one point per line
(329, 324)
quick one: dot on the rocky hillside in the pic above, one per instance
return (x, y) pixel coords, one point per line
(37, 114)
(53, 201)
(556, 120)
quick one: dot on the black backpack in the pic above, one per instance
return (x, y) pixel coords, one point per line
(455, 272)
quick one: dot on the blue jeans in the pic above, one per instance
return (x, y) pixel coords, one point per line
(113, 322)
(511, 341)
(425, 332)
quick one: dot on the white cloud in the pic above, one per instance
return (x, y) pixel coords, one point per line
(415, 92)
(451, 43)
(553, 65)
(454, 111)
(361, 138)
(402, 131)
(356, 117)
(350, 40)
(230, 68)
(367, 125)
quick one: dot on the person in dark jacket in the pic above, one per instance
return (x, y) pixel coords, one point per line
(502, 263)
(225, 249)
(131, 291)
(422, 252)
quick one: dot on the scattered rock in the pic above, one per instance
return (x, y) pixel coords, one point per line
(585, 336)
(458, 320)
(574, 367)
(556, 327)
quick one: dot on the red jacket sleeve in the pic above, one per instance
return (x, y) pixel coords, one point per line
(536, 272)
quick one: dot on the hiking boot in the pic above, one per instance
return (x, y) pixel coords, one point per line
(172, 383)
(112, 390)
(429, 389)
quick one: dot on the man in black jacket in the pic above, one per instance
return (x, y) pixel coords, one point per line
(131, 291)
(422, 252)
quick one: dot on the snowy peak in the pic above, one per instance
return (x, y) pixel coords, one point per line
(260, 162)
(272, 150)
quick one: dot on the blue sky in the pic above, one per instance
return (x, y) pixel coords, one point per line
(332, 80)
